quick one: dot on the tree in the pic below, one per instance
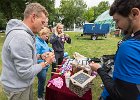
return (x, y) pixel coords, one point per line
(14, 8)
(51, 9)
(71, 11)
(89, 15)
(58, 17)
(103, 6)
(92, 13)
(2, 22)
(10, 9)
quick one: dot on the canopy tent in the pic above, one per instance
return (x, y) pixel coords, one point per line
(105, 18)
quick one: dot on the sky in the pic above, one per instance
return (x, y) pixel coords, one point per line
(90, 3)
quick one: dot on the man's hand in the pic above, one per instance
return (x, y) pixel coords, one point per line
(43, 56)
(50, 57)
(61, 35)
(94, 66)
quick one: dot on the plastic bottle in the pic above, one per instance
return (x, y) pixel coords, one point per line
(67, 78)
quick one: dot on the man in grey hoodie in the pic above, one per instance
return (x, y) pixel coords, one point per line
(19, 59)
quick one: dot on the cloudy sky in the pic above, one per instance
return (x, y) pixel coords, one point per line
(89, 3)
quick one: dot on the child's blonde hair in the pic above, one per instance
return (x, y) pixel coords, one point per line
(56, 27)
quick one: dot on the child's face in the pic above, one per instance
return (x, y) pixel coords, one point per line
(60, 29)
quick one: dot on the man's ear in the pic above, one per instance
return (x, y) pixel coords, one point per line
(33, 16)
(135, 13)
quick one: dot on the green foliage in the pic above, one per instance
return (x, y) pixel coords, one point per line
(71, 11)
(57, 15)
(103, 6)
(15, 9)
(2, 22)
(12, 8)
(90, 48)
(88, 15)
(92, 13)
(2, 38)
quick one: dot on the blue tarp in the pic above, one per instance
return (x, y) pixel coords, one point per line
(91, 28)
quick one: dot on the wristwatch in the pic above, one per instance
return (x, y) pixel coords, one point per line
(46, 63)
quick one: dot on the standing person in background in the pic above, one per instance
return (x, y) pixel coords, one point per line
(125, 84)
(50, 31)
(58, 40)
(42, 47)
(19, 59)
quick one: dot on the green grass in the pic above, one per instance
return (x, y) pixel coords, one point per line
(84, 46)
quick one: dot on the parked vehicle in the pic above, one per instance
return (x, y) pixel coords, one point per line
(95, 30)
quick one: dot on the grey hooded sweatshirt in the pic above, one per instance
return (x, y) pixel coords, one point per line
(19, 64)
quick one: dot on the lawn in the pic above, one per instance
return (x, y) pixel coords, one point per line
(84, 46)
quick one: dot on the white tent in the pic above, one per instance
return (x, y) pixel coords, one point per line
(105, 18)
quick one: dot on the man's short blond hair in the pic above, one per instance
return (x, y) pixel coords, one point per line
(36, 8)
(44, 31)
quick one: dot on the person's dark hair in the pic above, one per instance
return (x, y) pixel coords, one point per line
(123, 7)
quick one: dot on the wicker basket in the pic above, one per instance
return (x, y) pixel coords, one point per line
(78, 90)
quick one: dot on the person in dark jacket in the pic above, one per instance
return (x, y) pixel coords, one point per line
(58, 40)
(125, 84)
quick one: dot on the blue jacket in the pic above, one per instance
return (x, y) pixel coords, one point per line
(41, 47)
(127, 61)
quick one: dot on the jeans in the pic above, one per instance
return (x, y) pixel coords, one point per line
(59, 57)
(41, 81)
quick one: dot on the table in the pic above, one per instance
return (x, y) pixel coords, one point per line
(54, 93)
